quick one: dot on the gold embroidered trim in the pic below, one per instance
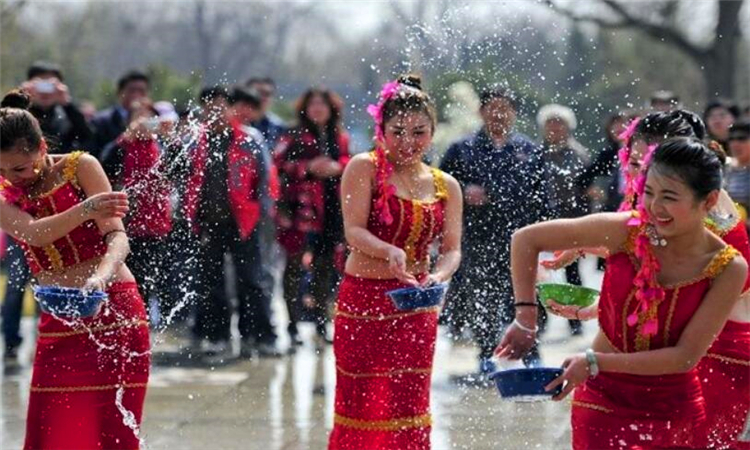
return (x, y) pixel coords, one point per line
(389, 373)
(670, 315)
(592, 406)
(71, 167)
(104, 387)
(720, 261)
(400, 226)
(721, 232)
(441, 190)
(414, 232)
(728, 359)
(112, 326)
(433, 309)
(55, 259)
(713, 269)
(422, 421)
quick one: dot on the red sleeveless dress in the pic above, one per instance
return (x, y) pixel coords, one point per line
(725, 371)
(383, 355)
(623, 411)
(80, 367)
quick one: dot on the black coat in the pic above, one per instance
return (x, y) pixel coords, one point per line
(108, 125)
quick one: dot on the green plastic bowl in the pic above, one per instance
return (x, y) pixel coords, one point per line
(567, 294)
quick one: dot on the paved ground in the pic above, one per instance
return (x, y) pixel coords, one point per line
(287, 403)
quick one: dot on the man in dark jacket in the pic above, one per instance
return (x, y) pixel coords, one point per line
(225, 203)
(111, 123)
(61, 121)
(502, 174)
(268, 123)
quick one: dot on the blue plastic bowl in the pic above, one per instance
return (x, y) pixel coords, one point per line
(526, 384)
(418, 297)
(68, 302)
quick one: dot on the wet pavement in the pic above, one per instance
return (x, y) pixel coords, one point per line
(287, 402)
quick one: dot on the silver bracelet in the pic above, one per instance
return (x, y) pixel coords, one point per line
(593, 363)
(525, 328)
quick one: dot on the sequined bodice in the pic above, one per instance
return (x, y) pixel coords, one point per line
(673, 313)
(80, 245)
(416, 224)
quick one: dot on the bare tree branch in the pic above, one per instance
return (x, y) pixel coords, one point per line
(659, 31)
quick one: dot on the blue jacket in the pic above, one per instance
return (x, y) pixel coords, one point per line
(514, 179)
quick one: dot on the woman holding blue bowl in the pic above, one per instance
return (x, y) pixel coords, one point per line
(90, 374)
(668, 290)
(394, 207)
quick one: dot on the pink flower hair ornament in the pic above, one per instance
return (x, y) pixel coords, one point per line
(648, 293)
(376, 110)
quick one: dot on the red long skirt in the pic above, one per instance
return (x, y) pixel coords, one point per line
(79, 370)
(725, 377)
(384, 366)
(620, 411)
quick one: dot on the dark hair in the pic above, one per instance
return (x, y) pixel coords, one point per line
(721, 103)
(242, 94)
(740, 130)
(38, 68)
(260, 80)
(656, 127)
(333, 101)
(130, 76)
(332, 128)
(410, 98)
(498, 91)
(209, 93)
(692, 161)
(17, 124)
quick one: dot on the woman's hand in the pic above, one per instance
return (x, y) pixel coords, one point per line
(397, 265)
(576, 372)
(106, 205)
(561, 259)
(433, 278)
(325, 167)
(94, 283)
(572, 312)
(516, 342)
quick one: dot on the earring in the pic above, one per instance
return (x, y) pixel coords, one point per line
(654, 238)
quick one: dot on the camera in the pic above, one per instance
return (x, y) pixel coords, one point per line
(44, 87)
(152, 124)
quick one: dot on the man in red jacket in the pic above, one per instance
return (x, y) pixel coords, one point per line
(224, 204)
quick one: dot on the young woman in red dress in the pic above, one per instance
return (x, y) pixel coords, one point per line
(89, 375)
(725, 371)
(394, 207)
(669, 288)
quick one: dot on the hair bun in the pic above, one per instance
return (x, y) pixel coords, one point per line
(411, 80)
(699, 128)
(717, 149)
(16, 98)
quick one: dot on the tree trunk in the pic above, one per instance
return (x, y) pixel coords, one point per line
(719, 62)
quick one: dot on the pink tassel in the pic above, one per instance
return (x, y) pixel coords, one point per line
(650, 327)
(632, 319)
